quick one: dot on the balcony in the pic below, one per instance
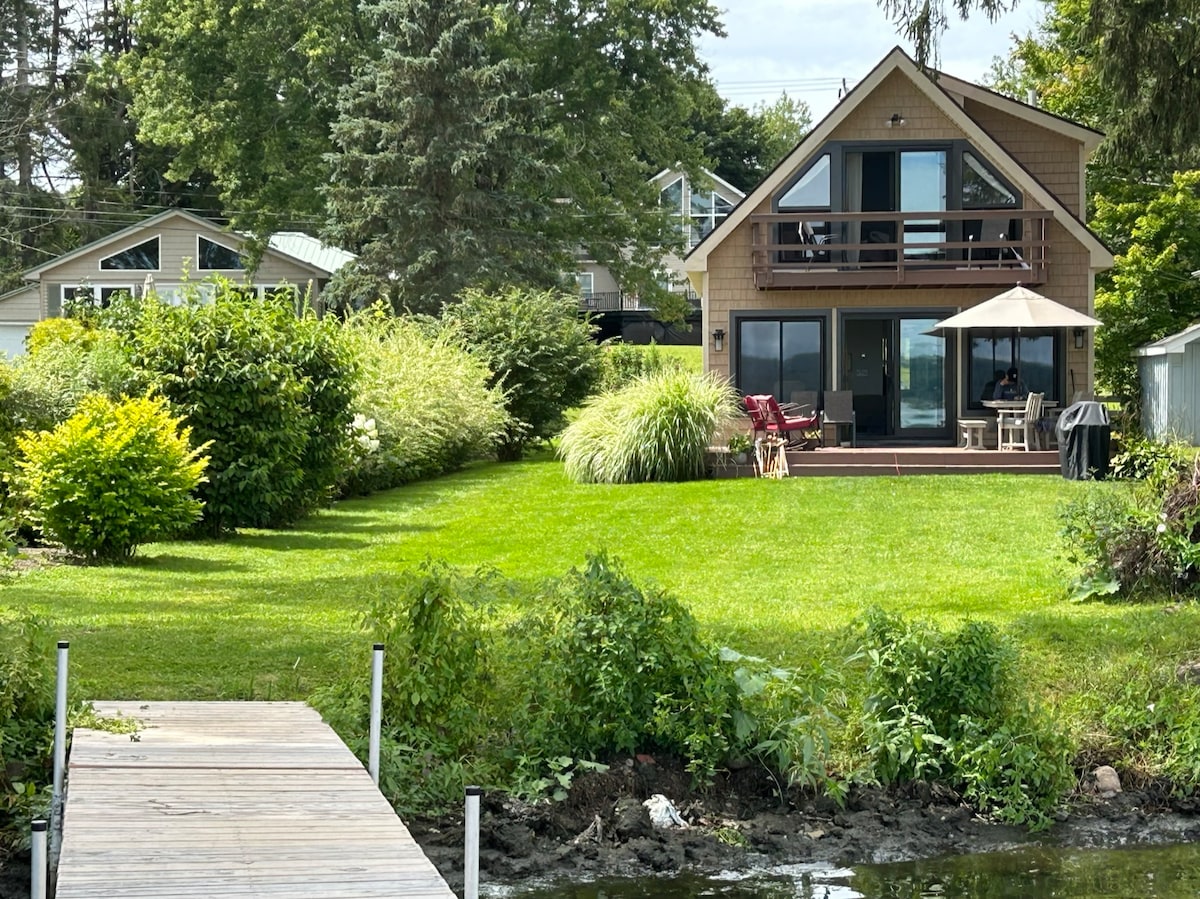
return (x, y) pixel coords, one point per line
(845, 250)
(620, 301)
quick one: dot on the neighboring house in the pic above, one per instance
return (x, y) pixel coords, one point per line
(624, 313)
(166, 251)
(1170, 374)
(912, 200)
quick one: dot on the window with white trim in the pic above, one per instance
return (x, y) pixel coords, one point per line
(140, 257)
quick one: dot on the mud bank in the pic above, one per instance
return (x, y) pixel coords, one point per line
(741, 824)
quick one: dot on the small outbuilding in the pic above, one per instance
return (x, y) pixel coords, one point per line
(1170, 375)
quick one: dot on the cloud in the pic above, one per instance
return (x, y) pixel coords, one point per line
(807, 47)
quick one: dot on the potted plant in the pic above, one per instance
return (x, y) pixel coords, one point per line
(739, 448)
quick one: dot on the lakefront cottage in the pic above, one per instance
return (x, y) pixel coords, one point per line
(913, 200)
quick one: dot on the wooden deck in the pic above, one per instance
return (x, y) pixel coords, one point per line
(232, 800)
(894, 461)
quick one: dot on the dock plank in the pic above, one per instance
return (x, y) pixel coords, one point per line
(230, 799)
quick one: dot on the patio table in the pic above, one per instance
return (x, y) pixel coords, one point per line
(1019, 406)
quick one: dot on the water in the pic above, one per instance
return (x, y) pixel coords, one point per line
(1161, 872)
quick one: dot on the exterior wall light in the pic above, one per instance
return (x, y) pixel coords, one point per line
(895, 121)
(1079, 338)
(718, 336)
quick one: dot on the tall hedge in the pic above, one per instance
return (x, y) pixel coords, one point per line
(540, 352)
(272, 393)
(421, 400)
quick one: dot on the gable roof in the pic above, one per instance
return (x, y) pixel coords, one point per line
(1089, 137)
(899, 61)
(293, 246)
(1174, 343)
(724, 186)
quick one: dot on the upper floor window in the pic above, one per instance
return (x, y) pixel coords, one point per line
(698, 211)
(212, 256)
(982, 188)
(142, 257)
(811, 190)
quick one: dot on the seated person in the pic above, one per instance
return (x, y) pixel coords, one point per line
(1010, 388)
(989, 389)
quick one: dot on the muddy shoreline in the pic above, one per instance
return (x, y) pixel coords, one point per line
(740, 824)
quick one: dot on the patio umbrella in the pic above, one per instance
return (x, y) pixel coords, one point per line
(1019, 307)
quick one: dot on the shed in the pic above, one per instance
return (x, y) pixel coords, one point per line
(1170, 375)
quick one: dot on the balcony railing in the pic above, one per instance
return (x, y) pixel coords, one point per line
(620, 301)
(906, 249)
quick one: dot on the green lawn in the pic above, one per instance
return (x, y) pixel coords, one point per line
(770, 567)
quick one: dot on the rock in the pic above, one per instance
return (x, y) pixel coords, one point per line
(1108, 784)
(1188, 672)
(630, 820)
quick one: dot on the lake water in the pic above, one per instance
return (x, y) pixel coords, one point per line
(1162, 872)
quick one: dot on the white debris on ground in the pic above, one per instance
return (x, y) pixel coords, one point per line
(663, 813)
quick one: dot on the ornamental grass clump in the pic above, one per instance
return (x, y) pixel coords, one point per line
(113, 476)
(656, 429)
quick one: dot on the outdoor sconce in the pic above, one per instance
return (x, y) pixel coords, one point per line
(719, 339)
(1079, 338)
(895, 121)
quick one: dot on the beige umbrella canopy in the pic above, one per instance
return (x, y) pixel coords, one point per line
(1019, 307)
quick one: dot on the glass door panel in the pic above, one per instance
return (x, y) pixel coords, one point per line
(923, 189)
(921, 376)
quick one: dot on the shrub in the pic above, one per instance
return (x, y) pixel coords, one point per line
(1156, 461)
(437, 707)
(66, 362)
(948, 707)
(622, 668)
(26, 725)
(1139, 542)
(428, 398)
(656, 429)
(113, 476)
(268, 391)
(623, 363)
(540, 354)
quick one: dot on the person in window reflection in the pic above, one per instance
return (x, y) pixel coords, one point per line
(1010, 387)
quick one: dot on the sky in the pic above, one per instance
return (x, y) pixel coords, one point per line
(807, 47)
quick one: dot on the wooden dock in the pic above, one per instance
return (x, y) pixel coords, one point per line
(232, 800)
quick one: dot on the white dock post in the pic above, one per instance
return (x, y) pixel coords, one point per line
(376, 711)
(471, 845)
(60, 747)
(38, 867)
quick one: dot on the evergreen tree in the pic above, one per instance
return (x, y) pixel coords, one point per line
(434, 176)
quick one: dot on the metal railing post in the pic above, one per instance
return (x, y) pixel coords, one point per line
(60, 746)
(471, 845)
(376, 711)
(37, 862)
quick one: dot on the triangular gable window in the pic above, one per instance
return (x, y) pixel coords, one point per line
(217, 257)
(143, 257)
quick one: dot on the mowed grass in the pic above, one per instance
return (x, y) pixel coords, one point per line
(775, 568)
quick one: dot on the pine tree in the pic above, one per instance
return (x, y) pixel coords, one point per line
(435, 175)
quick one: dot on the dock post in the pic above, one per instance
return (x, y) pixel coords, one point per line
(471, 845)
(37, 862)
(60, 747)
(376, 711)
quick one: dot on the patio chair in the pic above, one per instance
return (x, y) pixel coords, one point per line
(801, 429)
(1017, 428)
(758, 415)
(837, 413)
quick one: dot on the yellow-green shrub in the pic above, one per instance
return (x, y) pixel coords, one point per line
(112, 476)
